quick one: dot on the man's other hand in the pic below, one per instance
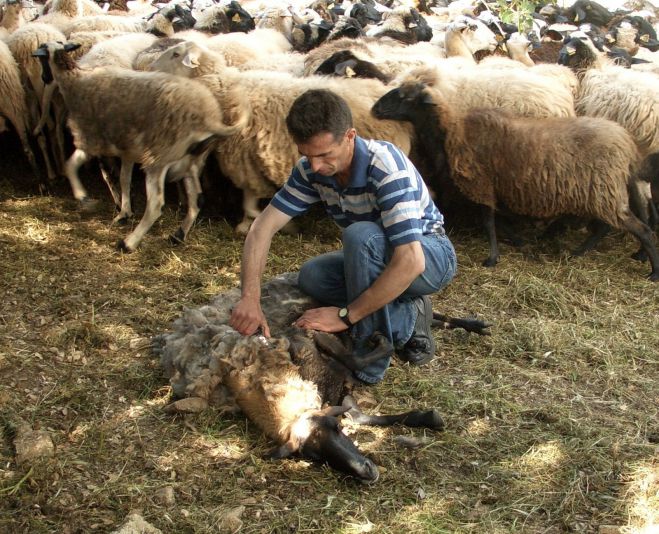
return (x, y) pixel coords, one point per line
(324, 319)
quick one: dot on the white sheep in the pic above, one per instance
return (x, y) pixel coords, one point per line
(165, 123)
(22, 43)
(628, 97)
(13, 103)
(72, 8)
(259, 158)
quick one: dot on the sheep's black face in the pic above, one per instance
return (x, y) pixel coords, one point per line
(184, 19)
(365, 14)
(401, 104)
(350, 28)
(328, 444)
(419, 26)
(239, 19)
(576, 54)
(339, 62)
(587, 11)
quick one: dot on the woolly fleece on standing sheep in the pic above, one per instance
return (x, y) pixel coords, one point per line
(259, 159)
(535, 167)
(157, 123)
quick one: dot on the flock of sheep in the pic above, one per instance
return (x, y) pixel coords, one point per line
(560, 120)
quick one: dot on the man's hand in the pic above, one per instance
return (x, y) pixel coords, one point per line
(247, 316)
(323, 319)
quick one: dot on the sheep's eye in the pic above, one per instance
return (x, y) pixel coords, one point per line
(176, 54)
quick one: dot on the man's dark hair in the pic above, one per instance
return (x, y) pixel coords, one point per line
(317, 111)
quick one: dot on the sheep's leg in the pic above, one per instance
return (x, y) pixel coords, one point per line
(27, 150)
(46, 99)
(508, 232)
(415, 418)
(60, 141)
(250, 211)
(106, 173)
(79, 192)
(125, 178)
(155, 200)
(643, 233)
(598, 230)
(470, 325)
(488, 222)
(192, 188)
(43, 146)
(333, 347)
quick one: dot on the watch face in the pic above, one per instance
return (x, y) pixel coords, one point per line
(343, 312)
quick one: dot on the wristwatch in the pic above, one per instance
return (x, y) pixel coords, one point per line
(343, 315)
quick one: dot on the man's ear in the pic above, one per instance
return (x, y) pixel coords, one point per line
(351, 134)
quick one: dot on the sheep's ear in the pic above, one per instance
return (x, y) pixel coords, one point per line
(40, 52)
(283, 451)
(191, 60)
(70, 47)
(341, 69)
(427, 99)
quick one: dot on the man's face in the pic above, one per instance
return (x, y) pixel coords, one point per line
(329, 156)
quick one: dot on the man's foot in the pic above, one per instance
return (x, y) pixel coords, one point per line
(420, 348)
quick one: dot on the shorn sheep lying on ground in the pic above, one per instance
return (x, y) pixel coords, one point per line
(288, 385)
(164, 123)
(535, 167)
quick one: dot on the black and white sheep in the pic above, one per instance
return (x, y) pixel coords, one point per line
(13, 103)
(533, 167)
(625, 96)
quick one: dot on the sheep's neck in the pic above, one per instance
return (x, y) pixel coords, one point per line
(520, 55)
(456, 47)
(430, 135)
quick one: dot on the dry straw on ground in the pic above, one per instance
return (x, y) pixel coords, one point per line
(551, 422)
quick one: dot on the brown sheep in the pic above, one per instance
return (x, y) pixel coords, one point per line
(535, 167)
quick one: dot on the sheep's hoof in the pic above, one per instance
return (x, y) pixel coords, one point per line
(654, 276)
(432, 419)
(490, 262)
(121, 220)
(177, 237)
(290, 228)
(243, 227)
(640, 255)
(88, 205)
(123, 247)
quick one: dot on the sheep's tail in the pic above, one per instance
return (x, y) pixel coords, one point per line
(236, 109)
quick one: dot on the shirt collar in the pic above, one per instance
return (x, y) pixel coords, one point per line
(360, 162)
(361, 159)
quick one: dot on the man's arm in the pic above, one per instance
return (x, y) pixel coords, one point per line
(247, 316)
(407, 262)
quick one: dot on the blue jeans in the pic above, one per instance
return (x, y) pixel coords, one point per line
(338, 278)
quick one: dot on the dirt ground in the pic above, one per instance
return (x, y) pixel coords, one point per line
(551, 423)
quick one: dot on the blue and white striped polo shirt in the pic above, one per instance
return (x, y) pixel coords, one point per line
(384, 187)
